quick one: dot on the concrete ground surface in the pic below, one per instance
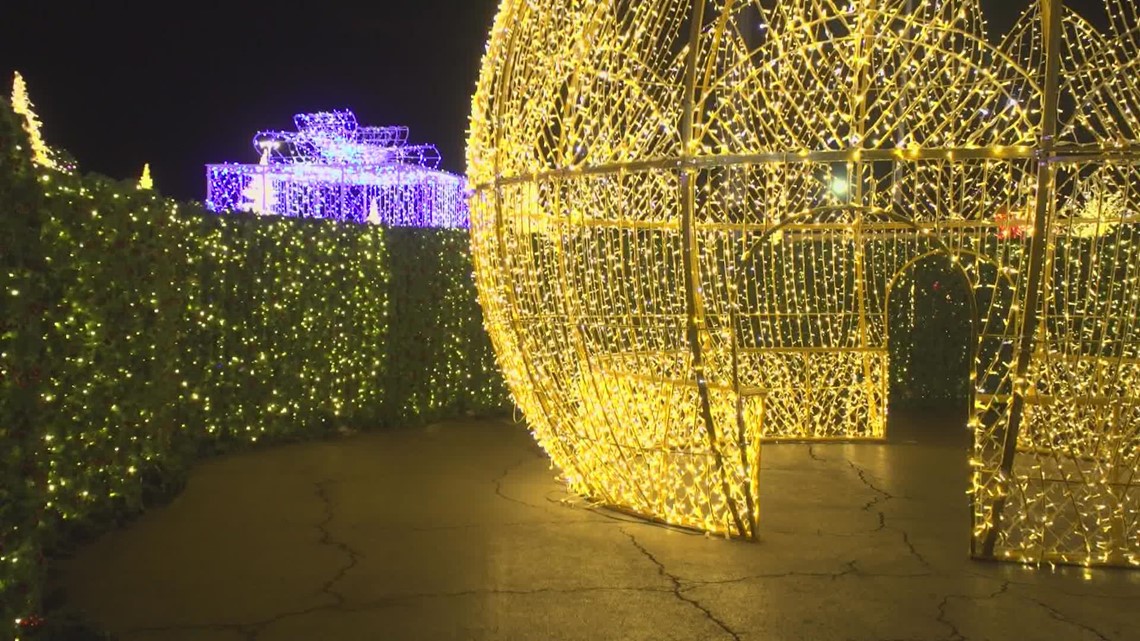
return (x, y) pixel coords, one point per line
(461, 531)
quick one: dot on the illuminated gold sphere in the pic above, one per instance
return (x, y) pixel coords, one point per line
(689, 218)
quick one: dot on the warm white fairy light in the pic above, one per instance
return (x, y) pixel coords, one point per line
(21, 104)
(689, 218)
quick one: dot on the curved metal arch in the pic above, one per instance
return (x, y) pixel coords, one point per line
(1124, 71)
(951, 255)
(1008, 61)
(975, 318)
(996, 51)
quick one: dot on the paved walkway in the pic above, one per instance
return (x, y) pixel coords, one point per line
(460, 531)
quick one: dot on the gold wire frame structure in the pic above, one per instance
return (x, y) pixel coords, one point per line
(689, 217)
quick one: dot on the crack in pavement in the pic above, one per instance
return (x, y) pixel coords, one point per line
(252, 630)
(685, 590)
(849, 568)
(328, 540)
(883, 497)
(1058, 615)
(820, 532)
(678, 588)
(478, 526)
(883, 494)
(248, 630)
(814, 456)
(944, 617)
(498, 481)
(396, 598)
(910, 546)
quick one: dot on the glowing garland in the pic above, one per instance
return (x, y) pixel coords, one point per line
(689, 219)
(22, 104)
(333, 168)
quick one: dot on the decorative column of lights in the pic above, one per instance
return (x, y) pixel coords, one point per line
(689, 219)
(331, 167)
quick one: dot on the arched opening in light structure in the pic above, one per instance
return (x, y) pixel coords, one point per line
(931, 336)
(687, 216)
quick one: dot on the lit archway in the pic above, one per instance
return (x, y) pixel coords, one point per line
(923, 296)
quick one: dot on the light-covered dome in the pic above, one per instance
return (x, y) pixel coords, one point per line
(689, 218)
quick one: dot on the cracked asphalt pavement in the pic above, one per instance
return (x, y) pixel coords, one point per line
(461, 530)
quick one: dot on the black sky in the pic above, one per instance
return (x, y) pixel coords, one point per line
(181, 84)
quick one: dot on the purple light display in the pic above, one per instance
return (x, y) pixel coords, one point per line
(331, 167)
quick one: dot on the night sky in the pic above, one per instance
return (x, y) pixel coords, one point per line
(182, 84)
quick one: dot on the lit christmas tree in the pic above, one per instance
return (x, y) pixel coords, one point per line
(374, 212)
(145, 181)
(22, 105)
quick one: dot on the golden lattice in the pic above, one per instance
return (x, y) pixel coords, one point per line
(689, 218)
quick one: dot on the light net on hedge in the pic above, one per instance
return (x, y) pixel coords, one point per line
(689, 219)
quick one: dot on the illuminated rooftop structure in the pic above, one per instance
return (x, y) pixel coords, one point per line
(331, 167)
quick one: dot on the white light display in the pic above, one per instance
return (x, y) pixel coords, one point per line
(331, 167)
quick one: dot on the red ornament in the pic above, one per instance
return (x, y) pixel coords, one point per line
(30, 622)
(1008, 227)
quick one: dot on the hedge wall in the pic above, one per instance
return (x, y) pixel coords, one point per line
(22, 288)
(137, 334)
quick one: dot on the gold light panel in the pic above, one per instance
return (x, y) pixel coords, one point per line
(689, 219)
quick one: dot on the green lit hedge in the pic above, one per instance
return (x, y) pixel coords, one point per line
(138, 334)
(22, 270)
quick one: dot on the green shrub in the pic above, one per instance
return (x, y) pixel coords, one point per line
(139, 334)
(22, 285)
